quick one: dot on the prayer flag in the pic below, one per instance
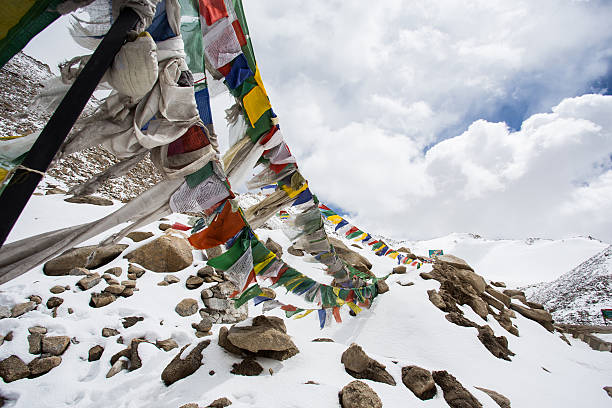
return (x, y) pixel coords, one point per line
(224, 226)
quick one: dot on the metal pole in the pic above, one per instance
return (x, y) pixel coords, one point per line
(23, 183)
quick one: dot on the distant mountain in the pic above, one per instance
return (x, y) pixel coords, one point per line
(578, 296)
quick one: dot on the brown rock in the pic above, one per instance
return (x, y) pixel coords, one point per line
(164, 226)
(165, 254)
(401, 269)
(108, 332)
(138, 236)
(179, 369)
(129, 283)
(206, 271)
(79, 257)
(194, 282)
(454, 261)
(499, 399)
(359, 365)
(538, 315)
(270, 321)
(358, 394)
(499, 285)
(35, 343)
(117, 367)
(247, 367)
(436, 299)
(93, 200)
(79, 272)
(534, 305)
(22, 308)
(505, 299)
(101, 299)
(127, 292)
(55, 345)
(455, 395)
(261, 339)
(190, 405)
(419, 381)
(13, 369)
(405, 283)
(95, 353)
(35, 298)
(426, 275)
(274, 247)
(294, 251)
(187, 307)
(213, 252)
(460, 320)
(608, 390)
(225, 343)
(479, 307)
(54, 301)
(349, 256)
(42, 365)
(89, 281)
(117, 271)
(513, 292)
(136, 270)
(166, 345)
(220, 403)
(114, 289)
(382, 287)
(498, 346)
(130, 321)
(56, 290)
(492, 301)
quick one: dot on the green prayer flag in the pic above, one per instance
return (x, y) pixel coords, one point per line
(354, 234)
(247, 295)
(199, 176)
(286, 277)
(290, 313)
(263, 125)
(224, 261)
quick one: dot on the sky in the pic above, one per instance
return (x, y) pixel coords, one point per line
(417, 119)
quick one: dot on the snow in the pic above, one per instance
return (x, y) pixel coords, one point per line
(402, 328)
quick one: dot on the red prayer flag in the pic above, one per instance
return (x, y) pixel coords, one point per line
(336, 312)
(324, 207)
(180, 227)
(353, 229)
(225, 226)
(289, 308)
(212, 10)
(239, 33)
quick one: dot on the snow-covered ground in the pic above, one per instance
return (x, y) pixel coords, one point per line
(402, 328)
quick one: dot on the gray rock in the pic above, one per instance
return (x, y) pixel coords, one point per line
(79, 272)
(5, 312)
(194, 282)
(22, 308)
(56, 290)
(247, 367)
(93, 200)
(204, 325)
(80, 257)
(419, 381)
(13, 369)
(138, 236)
(101, 299)
(258, 338)
(117, 367)
(187, 307)
(213, 252)
(171, 279)
(108, 332)
(223, 290)
(89, 281)
(359, 365)
(499, 399)
(166, 345)
(274, 247)
(179, 369)
(455, 395)
(95, 353)
(42, 365)
(54, 301)
(55, 345)
(35, 343)
(206, 294)
(37, 330)
(358, 394)
(217, 304)
(165, 254)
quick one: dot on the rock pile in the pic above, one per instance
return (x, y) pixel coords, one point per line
(219, 307)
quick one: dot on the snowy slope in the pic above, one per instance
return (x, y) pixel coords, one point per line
(578, 296)
(402, 328)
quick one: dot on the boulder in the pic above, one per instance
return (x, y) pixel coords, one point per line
(95, 353)
(270, 321)
(349, 256)
(455, 395)
(220, 403)
(93, 200)
(179, 368)
(35, 343)
(382, 287)
(136, 270)
(38, 330)
(42, 365)
(118, 366)
(454, 261)
(476, 281)
(166, 345)
(419, 381)
(56, 290)
(225, 343)
(359, 365)
(499, 399)
(538, 315)
(187, 307)
(294, 251)
(101, 299)
(89, 281)
(108, 332)
(505, 299)
(274, 247)
(206, 271)
(358, 394)
(498, 346)
(13, 369)
(114, 289)
(247, 367)
(204, 325)
(401, 269)
(55, 345)
(193, 282)
(165, 254)
(80, 257)
(138, 236)
(22, 308)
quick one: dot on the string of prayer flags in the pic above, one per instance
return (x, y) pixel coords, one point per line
(225, 226)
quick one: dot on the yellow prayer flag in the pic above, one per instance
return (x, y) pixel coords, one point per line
(256, 103)
(263, 263)
(258, 79)
(393, 254)
(361, 237)
(304, 314)
(334, 219)
(354, 307)
(294, 193)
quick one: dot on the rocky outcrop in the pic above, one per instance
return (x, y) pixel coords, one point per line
(358, 394)
(266, 337)
(497, 345)
(499, 399)
(90, 257)
(165, 254)
(359, 365)
(538, 315)
(181, 368)
(455, 395)
(419, 381)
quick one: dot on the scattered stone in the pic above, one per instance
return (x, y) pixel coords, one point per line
(35, 343)
(220, 403)
(89, 281)
(38, 330)
(42, 365)
(187, 307)
(117, 271)
(70, 310)
(163, 283)
(204, 326)
(13, 369)
(419, 381)
(382, 286)
(211, 372)
(135, 361)
(274, 247)
(194, 282)
(22, 308)
(166, 345)
(127, 292)
(54, 190)
(498, 346)
(8, 336)
(171, 279)
(55, 345)
(436, 299)
(101, 299)
(130, 321)
(54, 301)
(114, 289)
(310, 382)
(129, 283)
(95, 353)
(359, 365)
(499, 285)
(247, 367)
(80, 257)
(132, 276)
(323, 340)
(400, 270)
(35, 298)
(136, 270)
(358, 394)
(502, 401)
(190, 405)
(179, 369)
(538, 315)
(118, 366)
(165, 254)
(294, 251)
(138, 236)
(164, 226)
(108, 332)
(93, 200)
(455, 395)
(206, 271)
(405, 283)
(5, 312)
(426, 275)
(56, 290)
